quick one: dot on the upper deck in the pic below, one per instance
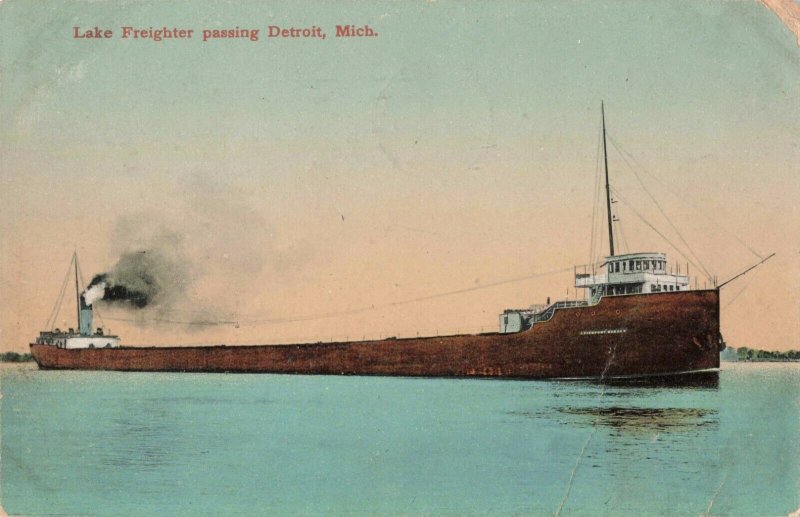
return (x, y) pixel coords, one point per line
(72, 339)
(632, 273)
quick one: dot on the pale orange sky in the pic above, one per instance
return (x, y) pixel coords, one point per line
(302, 181)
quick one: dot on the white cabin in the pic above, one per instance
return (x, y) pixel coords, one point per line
(83, 338)
(72, 339)
(632, 273)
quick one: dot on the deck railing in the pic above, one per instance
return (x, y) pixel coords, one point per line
(548, 312)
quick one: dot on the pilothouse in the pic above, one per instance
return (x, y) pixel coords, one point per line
(632, 273)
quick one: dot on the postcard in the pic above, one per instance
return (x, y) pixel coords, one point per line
(399, 257)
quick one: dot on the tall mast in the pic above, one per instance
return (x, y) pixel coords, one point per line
(77, 289)
(608, 189)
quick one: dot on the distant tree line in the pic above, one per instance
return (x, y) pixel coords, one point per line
(13, 357)
(754, 354)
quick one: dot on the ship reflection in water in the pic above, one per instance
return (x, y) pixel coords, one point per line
(638, 419)
(619, 405)
(649, 419)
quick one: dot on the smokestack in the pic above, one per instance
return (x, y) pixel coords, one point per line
(85, 322)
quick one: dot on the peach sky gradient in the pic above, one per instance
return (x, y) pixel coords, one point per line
(457, 150)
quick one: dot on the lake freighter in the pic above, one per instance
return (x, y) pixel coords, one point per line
(637, 319)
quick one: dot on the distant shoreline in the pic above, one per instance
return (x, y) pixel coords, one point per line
(767, 361)
(754, 355)
(14, 357)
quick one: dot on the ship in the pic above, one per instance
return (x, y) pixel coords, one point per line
(637, 319)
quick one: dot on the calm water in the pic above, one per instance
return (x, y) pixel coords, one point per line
(163, 444)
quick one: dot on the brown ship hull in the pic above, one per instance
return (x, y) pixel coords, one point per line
(632, 335)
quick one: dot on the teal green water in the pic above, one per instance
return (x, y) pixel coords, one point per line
(93, 443)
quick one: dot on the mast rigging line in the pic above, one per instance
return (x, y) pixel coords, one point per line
(735, 296)
(684, 201)
(51, 320)
(622, 237)
(312, 317)
(728, 281)
(608, 185)
(595, 199)
(658, 205)
(77, 294)
(645, 221)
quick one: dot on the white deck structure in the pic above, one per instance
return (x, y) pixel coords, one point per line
(72, 339)
(632, 273)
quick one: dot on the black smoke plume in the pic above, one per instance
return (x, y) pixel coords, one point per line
(139, 279)
(119, 293)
